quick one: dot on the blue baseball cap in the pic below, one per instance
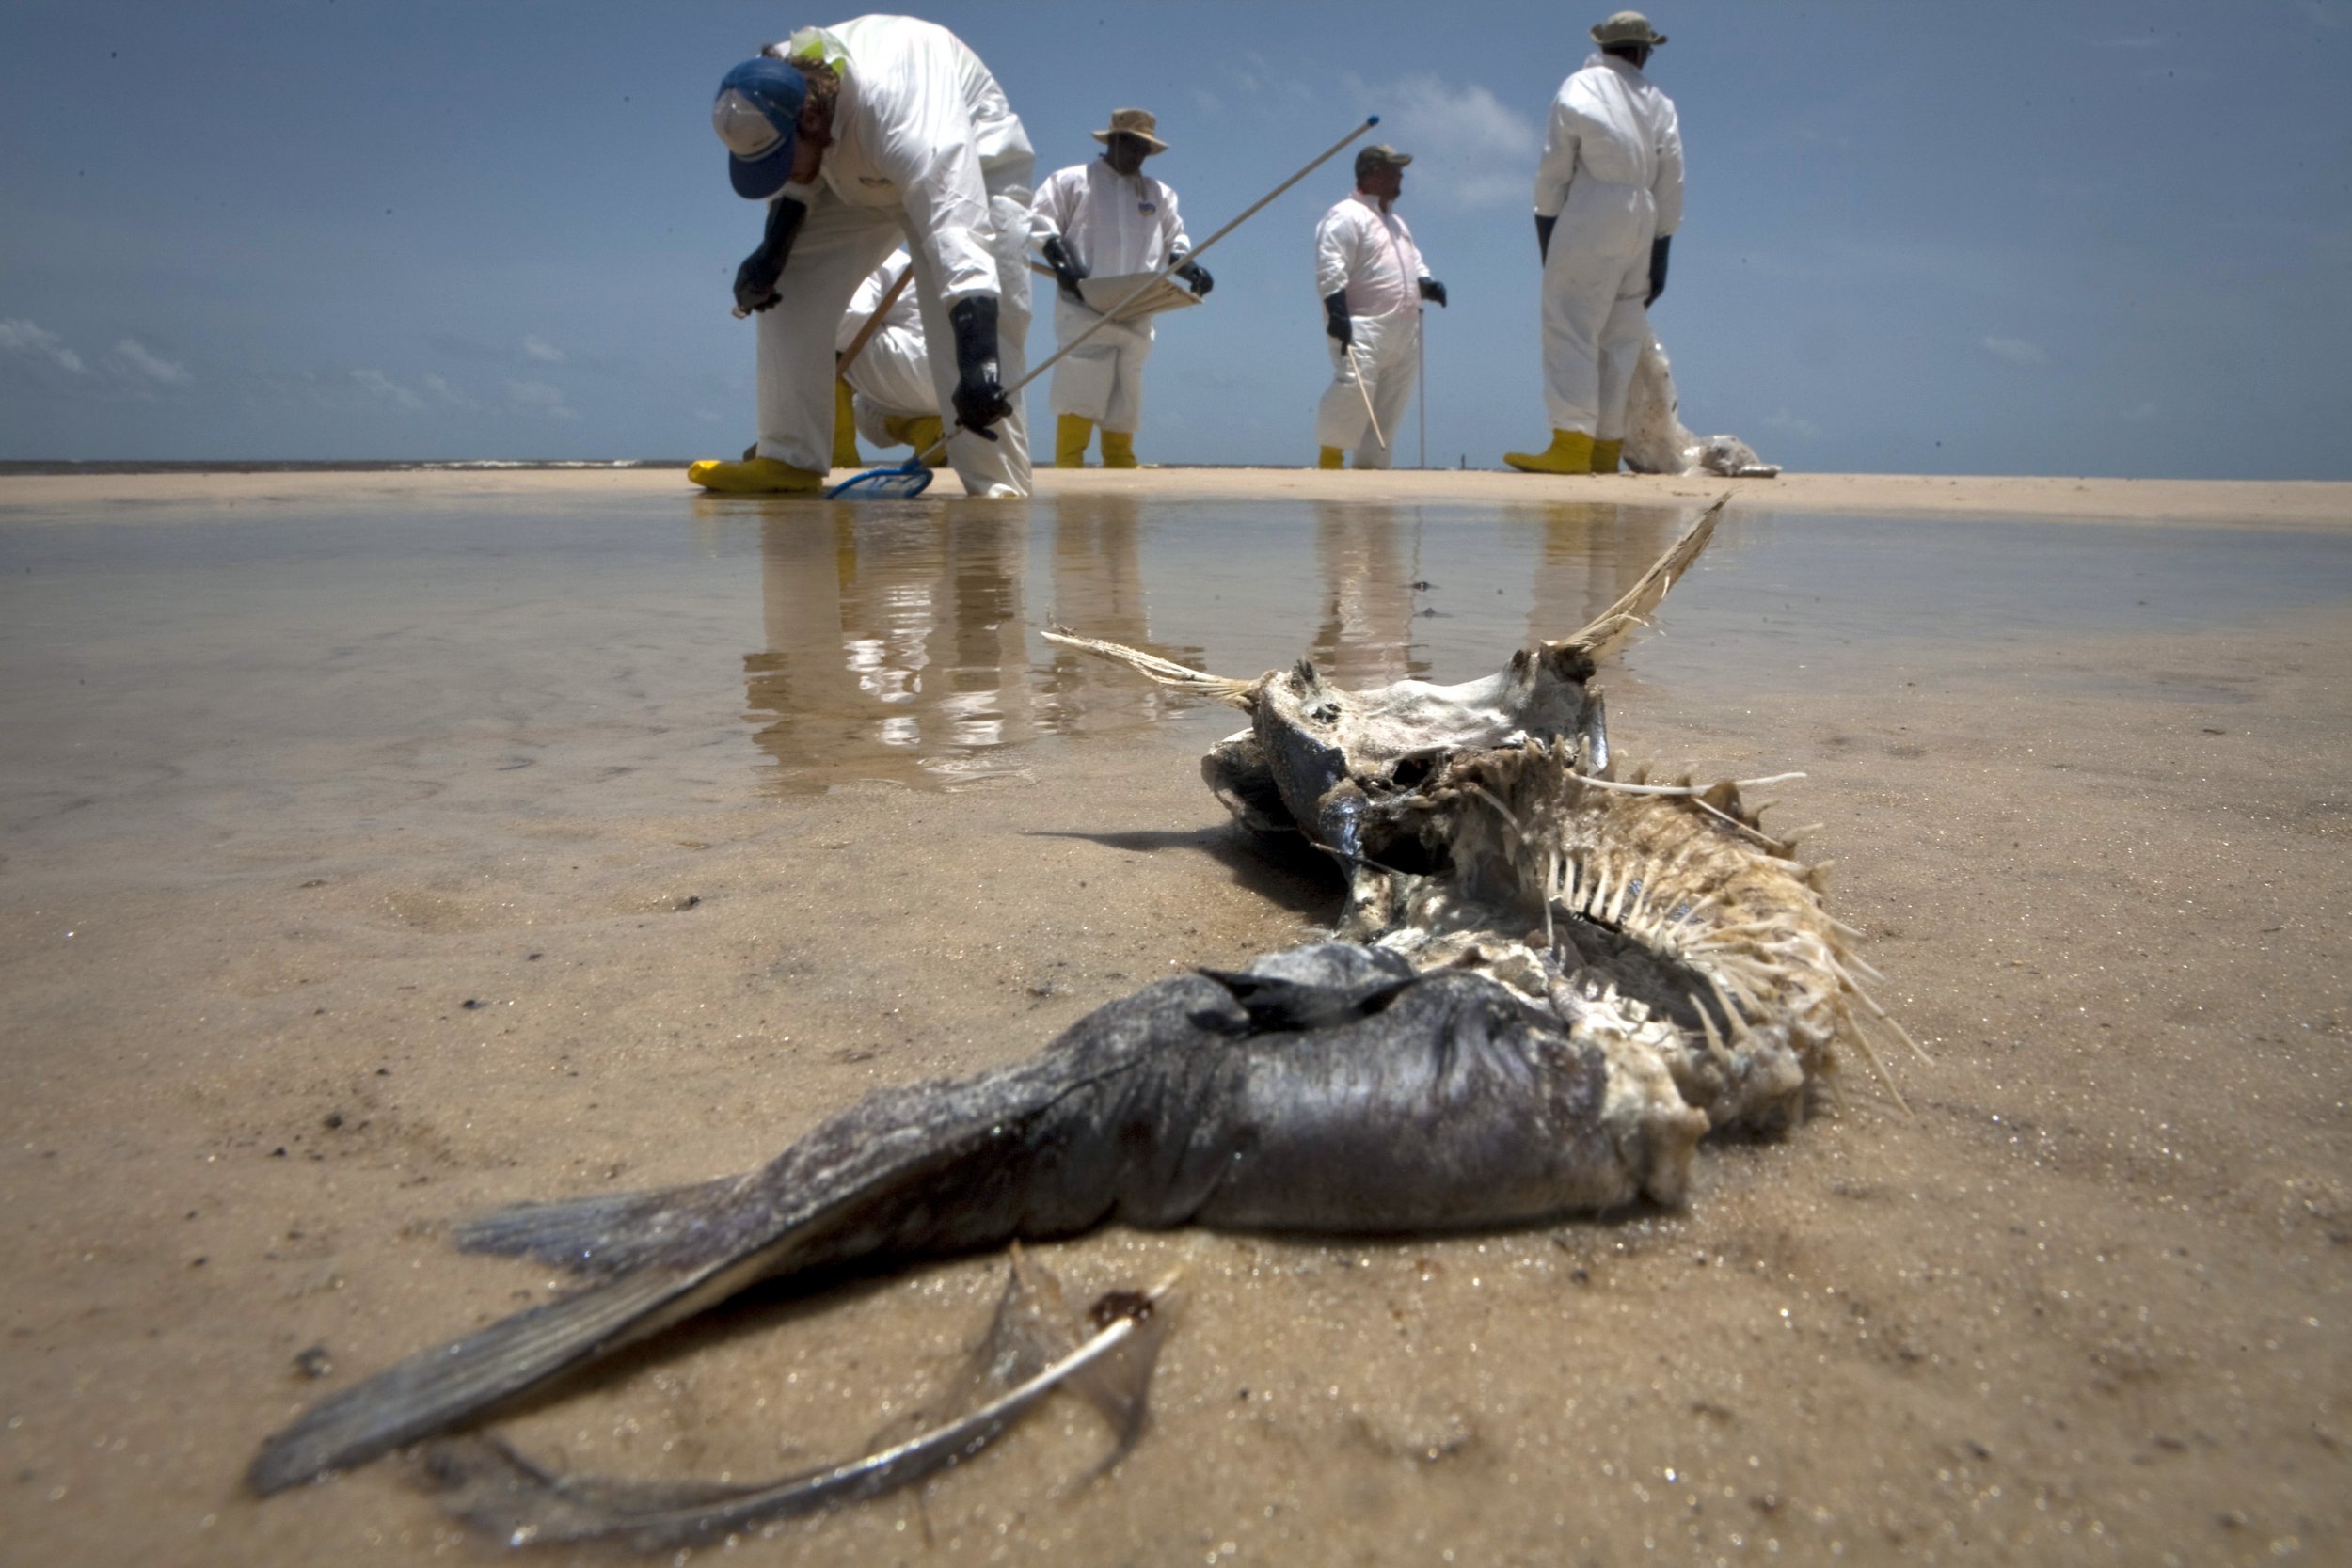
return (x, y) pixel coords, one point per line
(757, 115)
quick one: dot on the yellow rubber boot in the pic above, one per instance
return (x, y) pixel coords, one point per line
(758, 476)
(1570, 452)
(1071, 432)
(844, 428)
(920, 431)
(1328, 457)
(1605, 456)
(1118, 448)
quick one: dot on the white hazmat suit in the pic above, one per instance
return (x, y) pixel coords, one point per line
(1112, 225)
(924, 152)
(891, 377)
(1612, 175)
(1370, 254)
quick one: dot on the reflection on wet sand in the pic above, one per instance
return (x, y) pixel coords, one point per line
(1099, 591)
(1588, 557)
(897, 636)
(1365, 636)
(890, 633)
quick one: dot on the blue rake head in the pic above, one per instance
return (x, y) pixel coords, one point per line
(904, 483)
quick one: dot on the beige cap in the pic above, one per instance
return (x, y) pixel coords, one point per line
(1377, 155)
(1133, 122)
(1627, 27)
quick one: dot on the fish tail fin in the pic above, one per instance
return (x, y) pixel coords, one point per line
(608, 1234)
(436, 1388)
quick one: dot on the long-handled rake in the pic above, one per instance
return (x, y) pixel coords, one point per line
(912, 478)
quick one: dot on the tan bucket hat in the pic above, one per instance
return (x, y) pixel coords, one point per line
(1133, 122)
(1628, 27)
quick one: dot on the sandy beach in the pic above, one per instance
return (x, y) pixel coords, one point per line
(382, 847)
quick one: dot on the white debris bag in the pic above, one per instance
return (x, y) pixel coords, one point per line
(1656, 441)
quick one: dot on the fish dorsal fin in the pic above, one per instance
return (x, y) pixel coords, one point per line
(1631, 614)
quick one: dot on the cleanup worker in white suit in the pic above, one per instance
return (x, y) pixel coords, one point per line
(892, 398)
(859, 137)
(1608, 199)
(1370, 277)
(1107, 218)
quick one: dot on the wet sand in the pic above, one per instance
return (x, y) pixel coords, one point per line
(473, 848)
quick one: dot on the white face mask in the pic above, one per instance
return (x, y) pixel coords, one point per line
(743, 125)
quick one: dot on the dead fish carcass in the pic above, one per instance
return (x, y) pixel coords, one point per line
(1553, 982)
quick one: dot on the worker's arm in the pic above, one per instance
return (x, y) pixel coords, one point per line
(755, 279)
(979, 396)
(1336, 247)
(1180, 244)
(1666, 190)
(1556, 169)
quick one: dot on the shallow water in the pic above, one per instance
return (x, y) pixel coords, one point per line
(365, 866)
(901, 642)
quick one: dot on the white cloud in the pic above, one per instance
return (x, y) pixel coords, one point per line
(538, 348)
(2142, 412)
(1792, 424)
(384, 387)
(2149, 39)
(539, 397)
(164, 371)
(2017, 351)
(1469, 148)
(450, 395)
(19, 336)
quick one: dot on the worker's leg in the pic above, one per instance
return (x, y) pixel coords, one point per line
(1623, 333)
(845, 454)
(1072, 432)
(837, 246)
(1123, 415)
(1340, 417)
(1579, 288)
(1384, 356)
(1079, 390)
(895, 373)
(1394, 379)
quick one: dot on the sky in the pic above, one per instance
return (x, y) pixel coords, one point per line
(2094, 238)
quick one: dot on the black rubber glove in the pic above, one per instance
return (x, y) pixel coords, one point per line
(981, 399)
(755, 279)
(1543, 236)
(1335, 320)
(1433, 291)
(1198, 276)
(1057, 257)
(1657, 268)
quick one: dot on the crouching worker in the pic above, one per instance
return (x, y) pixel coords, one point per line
(862, 136)
(885, 392)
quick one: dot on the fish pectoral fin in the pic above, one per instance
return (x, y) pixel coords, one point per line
(438, 1388)
(608, 1233)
